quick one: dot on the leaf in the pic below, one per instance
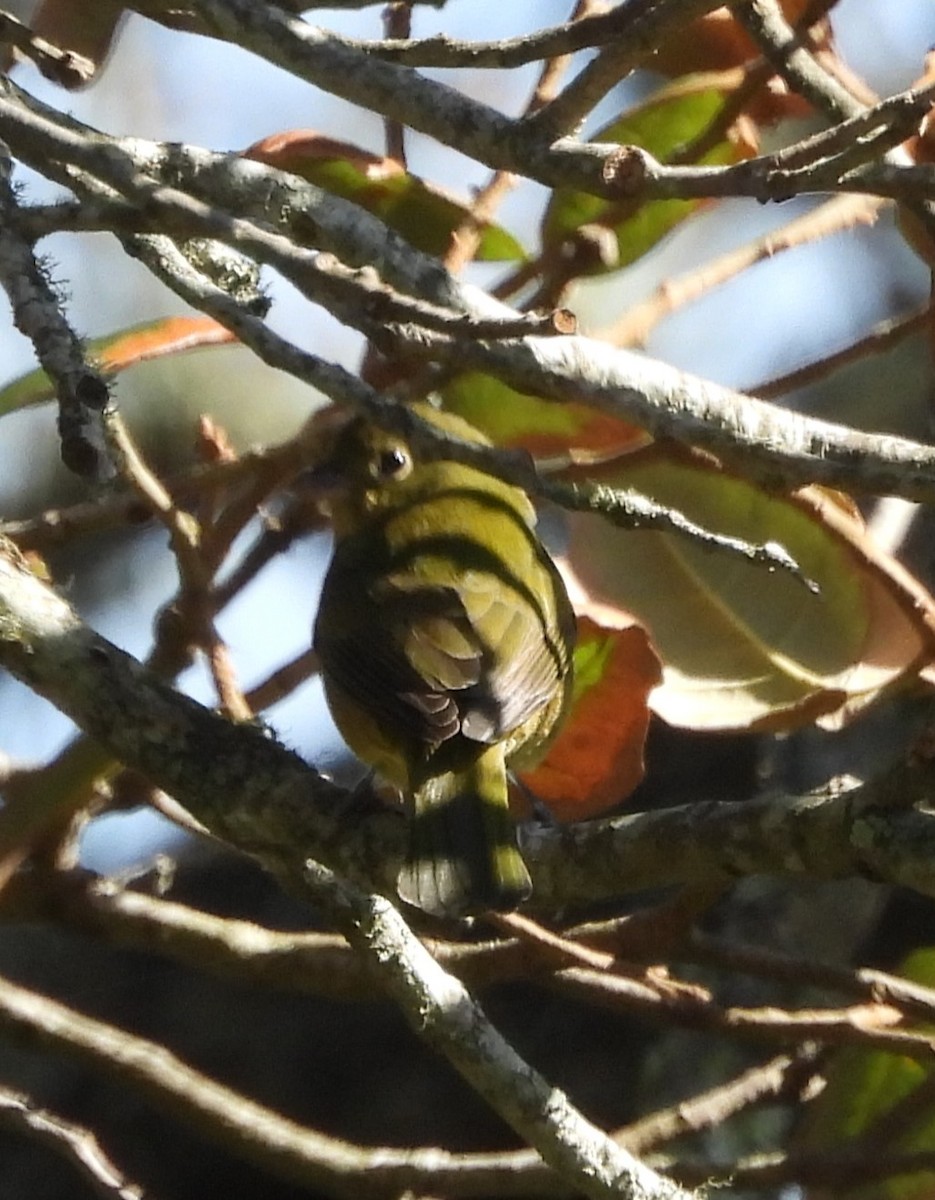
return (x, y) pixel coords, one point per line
(511, 418)
(717, 42)
(597, 759)
(861, 1086)
(744, 648)
(118, 351)
(664, 126)
(425, 215)
(86, 29)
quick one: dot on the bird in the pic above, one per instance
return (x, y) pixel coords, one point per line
(445, 640)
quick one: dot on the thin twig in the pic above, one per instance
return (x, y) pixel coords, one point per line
(647, 27)
(446, 1016)
(285, 1148)
(879, 340)
(74, 1143)
(836, 215)
(397, 24)
(862, 983)
(195, 603)
(867, 1025)
(64, 67)
(783, 1077)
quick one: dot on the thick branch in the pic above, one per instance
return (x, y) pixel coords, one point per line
(264, 800)
(782, 448)
(441, 1009)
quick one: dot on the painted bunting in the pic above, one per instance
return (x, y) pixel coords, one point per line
(445, 637)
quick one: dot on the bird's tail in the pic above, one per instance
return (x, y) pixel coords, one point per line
(463, 857)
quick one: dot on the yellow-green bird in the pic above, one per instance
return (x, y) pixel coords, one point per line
(445, 637)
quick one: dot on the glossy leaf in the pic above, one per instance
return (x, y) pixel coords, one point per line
(597, 759)
(664, 126)
(743, 647)
(118, 351)
(422, 213)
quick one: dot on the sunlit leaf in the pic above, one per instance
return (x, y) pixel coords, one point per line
(424, 214)
(597, 759)
(743, 647)
(118, 351)
(665, 125)
(512, 418)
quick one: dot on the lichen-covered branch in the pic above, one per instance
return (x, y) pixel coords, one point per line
(441, 1009)
(780, 448)
(38, 314)
(260, 797)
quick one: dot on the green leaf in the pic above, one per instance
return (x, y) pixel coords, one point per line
(743, 647)
(665, 126)
(862, 1086)
(511, 418)
(425, 215)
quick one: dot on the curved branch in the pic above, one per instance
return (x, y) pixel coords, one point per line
(241, 784)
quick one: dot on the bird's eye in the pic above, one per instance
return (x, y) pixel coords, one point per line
(394, 463)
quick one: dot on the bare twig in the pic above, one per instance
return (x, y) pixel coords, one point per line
(397, 24)
(285, 1148)
(782, 1077)
(863, 983)
(624, 22)
(77, 1145)
(841, 213)
(785, 49)
(283, 681)
(195, 604)
(647, 28)
(881, 338)
(868, 1025)
(64, 67)
(444, 1013)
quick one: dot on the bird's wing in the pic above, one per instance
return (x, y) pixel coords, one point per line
(432, 660)
(523, 663)
(402, 650)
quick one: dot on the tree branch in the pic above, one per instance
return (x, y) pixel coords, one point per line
(38, 314)
(78, 1146)
(263, 799)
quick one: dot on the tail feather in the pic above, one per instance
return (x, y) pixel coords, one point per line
(463, 857)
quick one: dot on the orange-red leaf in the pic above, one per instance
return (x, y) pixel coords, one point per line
(118, 351)
(597, 759)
